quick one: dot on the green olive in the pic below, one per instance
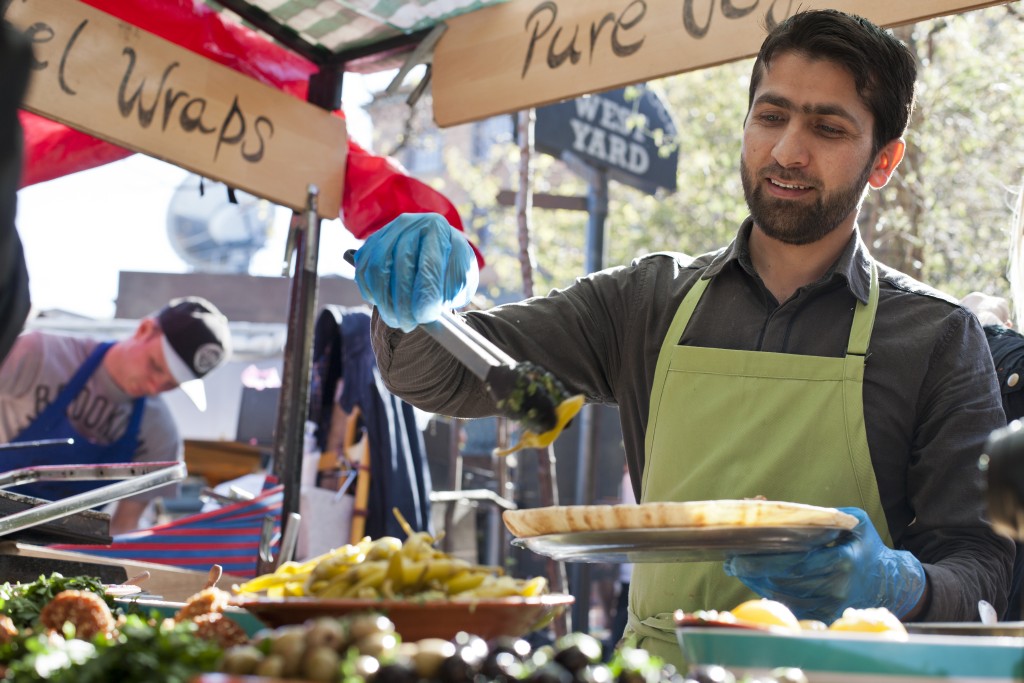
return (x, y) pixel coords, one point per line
(362, 625)
(430, 654)
(271, 667)
(321, 664)
(379, 644)
(326, 631)
(366, 666)
(241, 659)
(290, 645)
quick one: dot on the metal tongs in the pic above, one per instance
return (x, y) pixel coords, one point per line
(137, 477)
(524, 392)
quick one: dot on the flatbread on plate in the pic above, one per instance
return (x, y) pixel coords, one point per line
(697, 513)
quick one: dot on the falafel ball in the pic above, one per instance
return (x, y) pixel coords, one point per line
(85, 610)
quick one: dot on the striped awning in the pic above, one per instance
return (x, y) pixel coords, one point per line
(333, 27)
(228, 536)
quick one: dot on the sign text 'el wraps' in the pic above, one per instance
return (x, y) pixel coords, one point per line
(112, 80)
(527, 53)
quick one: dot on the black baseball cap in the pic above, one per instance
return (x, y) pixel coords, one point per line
(196, 339)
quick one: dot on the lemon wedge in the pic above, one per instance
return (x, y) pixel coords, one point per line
(564, 411)
(870, 620)
(765, 612)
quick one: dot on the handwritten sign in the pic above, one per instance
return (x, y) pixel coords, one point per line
(526, 53)
(119, 83)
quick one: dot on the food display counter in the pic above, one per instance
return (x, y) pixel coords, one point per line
(387, 609)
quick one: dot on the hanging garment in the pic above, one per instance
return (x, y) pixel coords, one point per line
(53, 423)
(399, 473)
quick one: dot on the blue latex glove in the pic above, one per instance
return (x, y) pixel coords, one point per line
(414, 267)
(861, 572)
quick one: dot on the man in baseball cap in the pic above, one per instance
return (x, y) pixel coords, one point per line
(104, 396)
(195, 340)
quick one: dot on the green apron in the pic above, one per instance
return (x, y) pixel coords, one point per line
(729, 424)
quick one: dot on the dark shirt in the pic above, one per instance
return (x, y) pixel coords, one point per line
(1007, 348)
(1008, 355)
(930, 393)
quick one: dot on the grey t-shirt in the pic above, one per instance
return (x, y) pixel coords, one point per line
(36, 370)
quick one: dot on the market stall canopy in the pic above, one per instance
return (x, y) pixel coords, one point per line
(485, 57)
(362, 34)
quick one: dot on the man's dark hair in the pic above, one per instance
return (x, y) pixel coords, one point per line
(882, 67)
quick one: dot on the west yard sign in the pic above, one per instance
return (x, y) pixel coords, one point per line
(614, 131)
(527, 53)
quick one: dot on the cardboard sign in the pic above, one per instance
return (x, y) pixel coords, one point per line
(614, 132)
(119, 83)
(527, 53)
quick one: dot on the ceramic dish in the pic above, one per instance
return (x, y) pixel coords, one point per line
(426, 619)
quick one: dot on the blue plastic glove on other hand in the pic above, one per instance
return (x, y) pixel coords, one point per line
(414, 267)
(861, 572)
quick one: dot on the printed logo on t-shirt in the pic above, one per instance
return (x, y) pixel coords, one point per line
(94, 416)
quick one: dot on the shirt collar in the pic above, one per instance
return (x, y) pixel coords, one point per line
(853, 265)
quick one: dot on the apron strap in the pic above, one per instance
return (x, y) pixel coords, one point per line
(864, 319)
(57, 410)
(131, 431)
(675, 332)
(660, 627)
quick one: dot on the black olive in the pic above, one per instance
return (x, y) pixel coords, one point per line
(516, 646)
(598, 673)
(577, 650)
(396, 672)
(462, 666)
(549, 673)
(541, 656)
(475, 646)
(501, 666)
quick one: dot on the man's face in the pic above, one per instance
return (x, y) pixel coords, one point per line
(806, 154)
(146, 373)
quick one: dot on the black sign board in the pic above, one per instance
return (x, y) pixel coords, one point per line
(614, 131)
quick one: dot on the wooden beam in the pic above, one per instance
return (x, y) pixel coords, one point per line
(545, 201)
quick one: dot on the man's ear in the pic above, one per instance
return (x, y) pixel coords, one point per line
(886, 161)
(146, 329)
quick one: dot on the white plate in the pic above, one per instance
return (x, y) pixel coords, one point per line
(680, 544)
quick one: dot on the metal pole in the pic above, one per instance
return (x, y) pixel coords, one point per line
(291, 413)
(597, 206)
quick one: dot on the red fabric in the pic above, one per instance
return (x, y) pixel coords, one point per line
(53, 150)
(376, 190)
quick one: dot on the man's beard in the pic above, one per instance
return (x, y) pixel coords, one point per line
(792, 222)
